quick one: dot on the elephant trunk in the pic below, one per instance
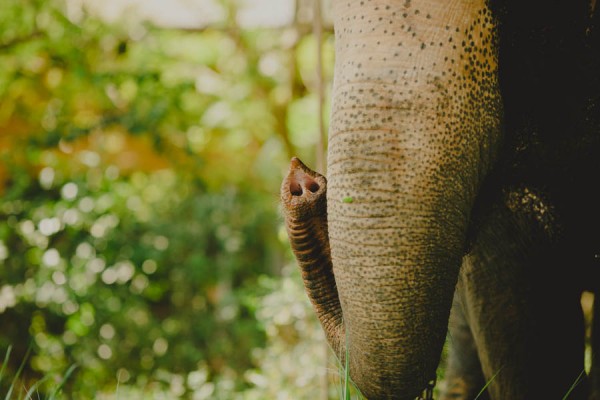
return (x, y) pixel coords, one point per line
(303, 196)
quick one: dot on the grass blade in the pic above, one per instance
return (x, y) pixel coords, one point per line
(577, 381)
(118, 382)
(487, 384)
(346, 393)
(12, 385)
(6, 357)
(64, 380)
(34, 387)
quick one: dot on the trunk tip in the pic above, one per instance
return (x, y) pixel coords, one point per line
(296, 163)
(302, 186)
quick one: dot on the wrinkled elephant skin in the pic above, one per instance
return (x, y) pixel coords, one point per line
(463, 154)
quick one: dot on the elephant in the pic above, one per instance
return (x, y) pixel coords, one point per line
(460, 198)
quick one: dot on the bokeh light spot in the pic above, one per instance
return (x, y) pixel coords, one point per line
(46, 177)
(149, 267)
(69, 191)
(104, 351)
(160, 346)
(49, 226)
(51, 258)
(107, 331)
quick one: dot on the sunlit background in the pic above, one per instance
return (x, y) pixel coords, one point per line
(142, 145)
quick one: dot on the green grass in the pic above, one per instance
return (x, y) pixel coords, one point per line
(6, 358)
(577, 381)
(348, 387)
(487, 384)
(33, 390)
(349, 390)
(565, 397)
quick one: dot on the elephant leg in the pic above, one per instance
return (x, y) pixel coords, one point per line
(524, 310)
(463, 375)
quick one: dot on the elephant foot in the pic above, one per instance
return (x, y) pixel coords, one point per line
(458, 389)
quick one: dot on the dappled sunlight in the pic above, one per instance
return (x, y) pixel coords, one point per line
(141, 245)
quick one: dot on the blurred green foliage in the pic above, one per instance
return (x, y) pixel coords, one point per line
(139, 232)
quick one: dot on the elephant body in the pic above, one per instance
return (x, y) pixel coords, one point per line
(464, 151)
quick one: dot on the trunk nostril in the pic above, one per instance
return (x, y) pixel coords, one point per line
(295, 189)
(300, 181)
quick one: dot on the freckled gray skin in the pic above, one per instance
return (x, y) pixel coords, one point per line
(456, 169)
(410, 148)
